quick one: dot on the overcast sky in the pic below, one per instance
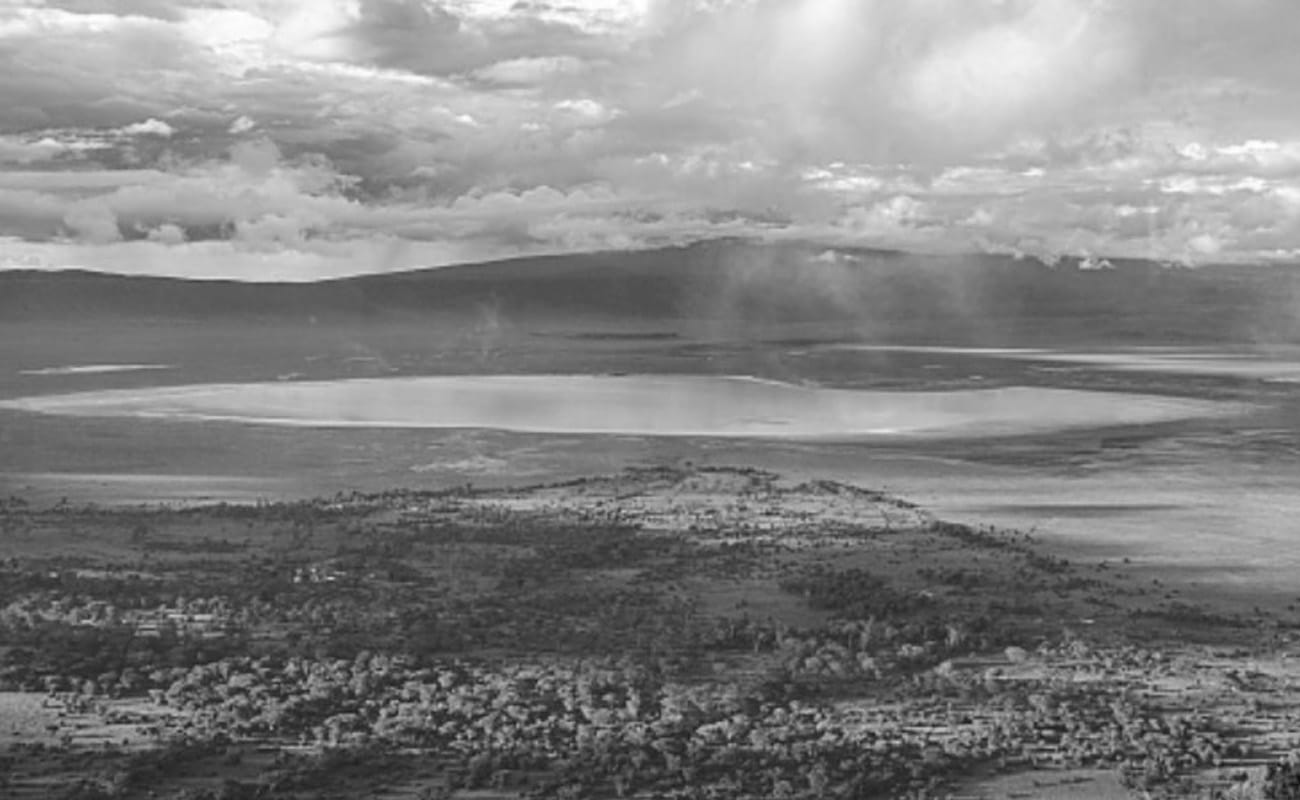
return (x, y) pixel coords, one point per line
(292, 139)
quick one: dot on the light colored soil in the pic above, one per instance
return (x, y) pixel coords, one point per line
(33, 717)
(1073, 784)
(718, 501)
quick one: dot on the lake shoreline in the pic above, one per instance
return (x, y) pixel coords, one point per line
(646, 405)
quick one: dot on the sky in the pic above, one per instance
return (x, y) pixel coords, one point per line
(303, 139)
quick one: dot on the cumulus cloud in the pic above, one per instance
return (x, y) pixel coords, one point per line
(93, 222)
(276, 127)
(167, 233)
(150, 127)
(16, 150)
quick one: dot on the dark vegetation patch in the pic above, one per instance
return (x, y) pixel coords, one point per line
(555, 643)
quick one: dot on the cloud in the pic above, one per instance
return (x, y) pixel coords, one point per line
(1018, 71)
(15, 150)
(230, 259)
(150, 127)
(534, 71)
(156, 9)
(277, 127)
(244, 192)
(167, 233)
(424, 37)
(93, 222)
(938, 79)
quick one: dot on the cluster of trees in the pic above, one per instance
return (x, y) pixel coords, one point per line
(1282, 780)
(589, 726)
(854, 593)
(487, 678)
(593, 727)
(108, 603)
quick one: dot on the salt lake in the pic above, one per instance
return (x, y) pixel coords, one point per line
(648, 405)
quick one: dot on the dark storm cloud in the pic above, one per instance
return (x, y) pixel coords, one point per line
(61, 77)
(426, 38)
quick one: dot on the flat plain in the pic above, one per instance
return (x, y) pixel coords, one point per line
(224, 605)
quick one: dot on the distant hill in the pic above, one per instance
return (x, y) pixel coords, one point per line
(618, 283)
(966, 298)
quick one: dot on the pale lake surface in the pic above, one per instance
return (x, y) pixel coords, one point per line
(661, 405)
(1175, 470)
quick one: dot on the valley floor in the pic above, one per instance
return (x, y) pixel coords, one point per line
(681, 632)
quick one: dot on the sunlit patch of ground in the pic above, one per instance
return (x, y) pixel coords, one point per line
(754, 502)
(36, 718)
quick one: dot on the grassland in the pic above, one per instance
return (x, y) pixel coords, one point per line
(686, 632)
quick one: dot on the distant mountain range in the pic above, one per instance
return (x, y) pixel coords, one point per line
(967, 298)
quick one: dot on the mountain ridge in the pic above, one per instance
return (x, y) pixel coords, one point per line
(723, 280)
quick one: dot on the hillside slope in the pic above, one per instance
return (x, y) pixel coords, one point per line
(966, 298)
